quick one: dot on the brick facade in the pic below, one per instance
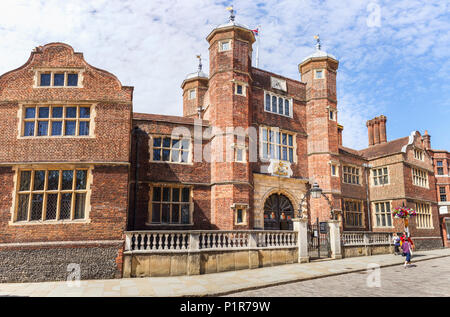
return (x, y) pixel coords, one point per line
(138, 178)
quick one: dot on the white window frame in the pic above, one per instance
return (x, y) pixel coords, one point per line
(419, 154)
(243, 207)
(45, 192)
(171, 203)
(424, 216)
(376, 178)
(419, 177)
(278, 97)
(319, 70)
(267, 143)
(383, 214)
(244, 89)
(221, 42)
(162, 147)
(192, 94)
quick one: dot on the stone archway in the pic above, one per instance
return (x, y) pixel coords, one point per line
(278, 213)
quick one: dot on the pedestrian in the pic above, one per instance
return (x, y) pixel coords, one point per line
(406, 237)
(396, 240)
(407, 246)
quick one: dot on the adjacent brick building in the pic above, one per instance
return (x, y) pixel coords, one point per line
(79, 168)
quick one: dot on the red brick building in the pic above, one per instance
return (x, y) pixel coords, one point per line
(79, 168)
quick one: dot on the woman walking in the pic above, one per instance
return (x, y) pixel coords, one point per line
(406, 248)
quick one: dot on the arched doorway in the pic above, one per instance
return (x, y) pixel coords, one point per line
(278, 213)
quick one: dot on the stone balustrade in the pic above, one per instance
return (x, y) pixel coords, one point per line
(360, 238)
(207, 240)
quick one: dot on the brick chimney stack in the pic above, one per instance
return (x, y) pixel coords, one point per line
(376, 129)
(426, 139)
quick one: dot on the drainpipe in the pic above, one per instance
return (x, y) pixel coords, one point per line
(367, 167)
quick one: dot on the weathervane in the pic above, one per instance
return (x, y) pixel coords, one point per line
(317, 38)
(199, 63)
(232, 16)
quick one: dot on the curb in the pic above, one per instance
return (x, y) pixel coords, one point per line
(251, 288)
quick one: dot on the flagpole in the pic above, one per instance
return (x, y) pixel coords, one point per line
(257, 46)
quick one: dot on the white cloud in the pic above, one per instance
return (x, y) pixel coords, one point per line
(151, 45)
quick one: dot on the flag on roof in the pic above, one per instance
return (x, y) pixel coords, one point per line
(255, 31)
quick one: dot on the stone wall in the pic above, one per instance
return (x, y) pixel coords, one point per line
(193, 263)
(52, 264)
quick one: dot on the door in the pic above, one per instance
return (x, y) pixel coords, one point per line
(278, 213)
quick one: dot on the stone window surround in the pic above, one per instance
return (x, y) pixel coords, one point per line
(359, 174)
(244, 86)
(316, 70)
(190, 91)
(15, 194)
(424, 210)
(171, 185)
(374, 214)
(21, 117)
(372, 183)
(223, 41)
(190, 156)
(419, 154)
(291, 104)
(418, 176)
(243, 147)
(244, 207)
(39, 70)
(336, 164)
(261, 141)
(362, 212)
(334, 111)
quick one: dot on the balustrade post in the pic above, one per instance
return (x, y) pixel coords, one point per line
(335, 239)
(128, 242)
(193, 265)
(301, 228)
(367, 246)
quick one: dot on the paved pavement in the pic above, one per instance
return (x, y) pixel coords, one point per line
(231, 282)
(425, 278)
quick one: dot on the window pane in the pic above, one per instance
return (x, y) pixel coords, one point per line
(70, 127)
(53, 180)
(30, 113)
(165, 217)
(52, 205)
(280, 105)
(36, 207)
(84, 128)
(274, 104)
(43, 112)
(156, 212)
(175, 194)
(166, 155)
(66, 205)
(185, 144)
(80, 202)
(22, 208)
(157, 142)
(175, 156)
(42, 128)
(239, 216)
(56, 127)
(185, 214)
(286, 107)
(67, 180)
(285, 154)
(58, 80)
(29, 129)
(57, 112)
(239, 89)
(156, 193)
(157, 155)
(175, 213)
(166, 142)
(25, 178)
(81, 179)
(176, 143)
(267, 102)
(185, 195)
(184, 156)
(85, 112)
(45, 79)
(72, 79)
(166, 193)
(71, 112)
(39, 179)
(284, 139)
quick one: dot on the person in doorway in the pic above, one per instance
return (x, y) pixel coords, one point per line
(396, 240)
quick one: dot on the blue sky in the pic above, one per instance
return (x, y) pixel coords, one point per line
(394, 55)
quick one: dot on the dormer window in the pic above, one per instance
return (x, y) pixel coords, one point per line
(58, 78)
